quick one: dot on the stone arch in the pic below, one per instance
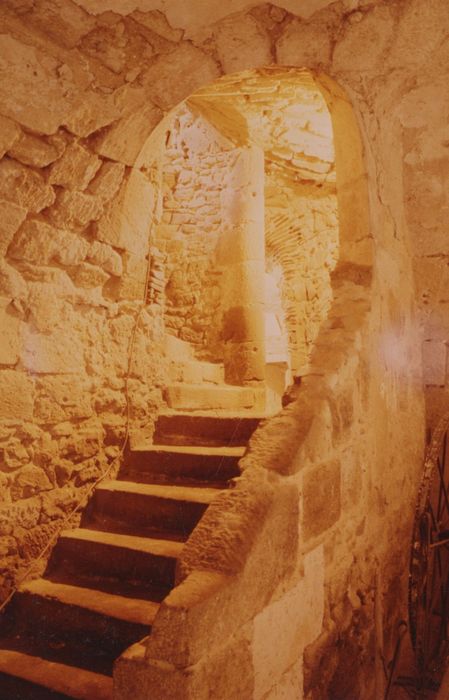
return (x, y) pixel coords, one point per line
(351, 171)
(351, 177)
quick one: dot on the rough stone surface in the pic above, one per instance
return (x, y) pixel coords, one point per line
(17, 396)
(123, 140)
(11, 217)
(10, 133)
(193, 68)
(321, 499)
(107, 181)
(304, 45)
(38, 242)
(31, 150)
(128, 231)
(24, 186)
(106, 257)
(60, 398)
(76, 209)
(83, 84)
(179, 15)
(11, 337)
(75, 169)
(241, 44)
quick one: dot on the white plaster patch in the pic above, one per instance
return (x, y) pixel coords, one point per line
(286, 627)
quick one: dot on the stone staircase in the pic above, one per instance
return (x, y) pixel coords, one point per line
(105, 580)
(200, 386)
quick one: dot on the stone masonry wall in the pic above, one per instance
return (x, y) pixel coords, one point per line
(196, 160)
(301, 213)
(287, 116)
(82, 86)
(292, 123)
(72, 281)
(71, 289)
(302, 234)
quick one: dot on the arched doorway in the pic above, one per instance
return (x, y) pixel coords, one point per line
(247, 226)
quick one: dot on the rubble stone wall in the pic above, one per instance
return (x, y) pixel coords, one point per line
(82, 86)
(195, 164)
(302, 236)
(72, 279)
(287, 116)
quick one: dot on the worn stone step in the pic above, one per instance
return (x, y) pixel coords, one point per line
(116, 556)
(27, 677)
(180, 462)
(70, 652)
(177, 349)
(205, 428)
(191, 397)
(143, 508)
(14, 688)
(196, 372)
(123, 587)
(81, 616)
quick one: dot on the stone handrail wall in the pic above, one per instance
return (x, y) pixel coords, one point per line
(248, 542)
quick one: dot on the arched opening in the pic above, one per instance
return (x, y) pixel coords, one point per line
(247, 227)
(313, 503)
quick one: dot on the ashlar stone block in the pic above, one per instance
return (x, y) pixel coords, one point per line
(54, 353)
(10, 330)
(24, 186)
(31, 89)
(242, 44)
(192, 67)
(31, 150)
(38, 242)
(123, 140)
(303, 45)
(106, 257)
(76, 209)
(12, 284)
(126, 221)
(434, 362)
(243, 324)
(17, 392)
(107, 181)
(244, 363)
(11, 217)
(365, 43)
(75, 169)
(29, 481)
(9, 133)
(321, 498)
(61, 398)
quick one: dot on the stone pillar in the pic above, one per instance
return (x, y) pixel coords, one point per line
(242, 257)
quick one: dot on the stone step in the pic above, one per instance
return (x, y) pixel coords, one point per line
(177, 349)
(205, 428)
(181, 463)
(27, 677)
(193, 397)
(115, 556)
(141, 508)
(197, 372)
(80, 616)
